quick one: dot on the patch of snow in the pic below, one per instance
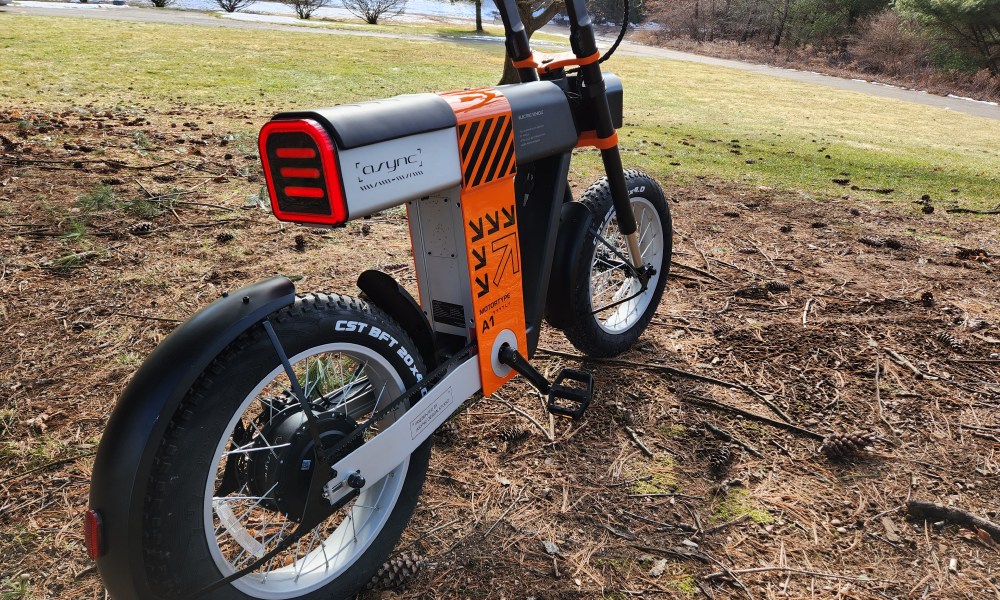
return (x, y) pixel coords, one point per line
(972, 100)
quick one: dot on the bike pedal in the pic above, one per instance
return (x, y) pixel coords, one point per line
(571, 393)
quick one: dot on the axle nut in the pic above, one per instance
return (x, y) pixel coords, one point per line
(356, 481)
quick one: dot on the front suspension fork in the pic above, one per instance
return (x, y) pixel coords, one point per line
(584, 45)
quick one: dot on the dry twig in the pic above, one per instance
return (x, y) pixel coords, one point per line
(930, 511)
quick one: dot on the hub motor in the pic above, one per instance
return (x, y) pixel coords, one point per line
(282, 474)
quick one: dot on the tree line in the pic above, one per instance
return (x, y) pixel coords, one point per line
(953, 34)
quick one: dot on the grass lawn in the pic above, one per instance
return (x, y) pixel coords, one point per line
(708, 121)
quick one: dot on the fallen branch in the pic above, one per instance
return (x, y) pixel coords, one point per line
(902, 361)
(48, 466)
(929, 511)
(774, 407)
(794, 571)
(666, 495)
(724, 435)
(670, 371)
(638, 442)
(972, 212)
(703, 557)
(687, 278)
(132, 316)
(722, 526)
(805, 311)
(544, 431)
(707, 403)
(699, 271)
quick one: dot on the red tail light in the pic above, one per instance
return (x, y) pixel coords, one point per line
(93, 533)
(300, 165)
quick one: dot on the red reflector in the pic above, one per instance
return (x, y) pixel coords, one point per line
(93, 533)
(300, 173)
(295, 153)
(304, 192)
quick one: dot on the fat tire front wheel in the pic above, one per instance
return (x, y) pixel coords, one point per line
(230, 475)
(608, 306)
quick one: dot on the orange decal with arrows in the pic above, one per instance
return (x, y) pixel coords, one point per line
(486, 149)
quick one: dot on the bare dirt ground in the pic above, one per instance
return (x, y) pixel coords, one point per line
(843, 314)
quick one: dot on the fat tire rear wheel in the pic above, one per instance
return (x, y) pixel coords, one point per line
(598, 279)
(346, 354)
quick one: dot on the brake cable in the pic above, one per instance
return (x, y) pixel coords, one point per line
(621, 36)
(642, 278)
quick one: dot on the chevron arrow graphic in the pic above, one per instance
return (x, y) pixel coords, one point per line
(494, 222)
(484, 285)
(478, 231)
(480, 257)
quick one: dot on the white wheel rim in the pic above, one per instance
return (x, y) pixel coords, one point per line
(610, 283)
(320, 556)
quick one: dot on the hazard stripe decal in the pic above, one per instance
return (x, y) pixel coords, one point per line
(487, 150)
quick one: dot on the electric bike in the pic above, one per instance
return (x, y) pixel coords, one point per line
(275, 444)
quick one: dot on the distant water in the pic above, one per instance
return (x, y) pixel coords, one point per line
(425, 8)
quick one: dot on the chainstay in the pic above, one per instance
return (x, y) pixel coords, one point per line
(423, 385)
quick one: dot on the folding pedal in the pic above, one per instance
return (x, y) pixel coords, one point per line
(571, 393)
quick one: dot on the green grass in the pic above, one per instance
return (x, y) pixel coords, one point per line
(654, 476)
(736, 504)
(676, 112)
(13, 588)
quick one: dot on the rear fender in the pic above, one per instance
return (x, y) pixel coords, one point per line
(139, 421)
(384, 292)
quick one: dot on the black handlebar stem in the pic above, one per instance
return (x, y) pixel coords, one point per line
(517, 42)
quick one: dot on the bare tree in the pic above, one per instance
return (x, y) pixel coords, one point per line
(161, 3)
(534, 14)
(373, 10)
(305, 8)
(234, 5)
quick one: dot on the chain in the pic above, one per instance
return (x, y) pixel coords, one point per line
(418, 388)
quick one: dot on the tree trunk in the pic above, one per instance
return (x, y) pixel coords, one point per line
(531, 25)
(479, 16)
(781, 25)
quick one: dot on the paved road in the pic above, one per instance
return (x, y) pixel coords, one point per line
(149, 15)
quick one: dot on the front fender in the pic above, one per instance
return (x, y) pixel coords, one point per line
(574, 221)
(125, 455)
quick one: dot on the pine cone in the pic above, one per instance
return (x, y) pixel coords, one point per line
(397, 571)
(946, 339)
(447, 432)
(513, 435)
(224, 237)
(753, 292)
(841, 446)
(141, 228)
(722, 330)
(873, 241)
(777, 286)
(300, 243)
(720, 460)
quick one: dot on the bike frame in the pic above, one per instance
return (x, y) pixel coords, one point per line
(494, 230)
(498, 231)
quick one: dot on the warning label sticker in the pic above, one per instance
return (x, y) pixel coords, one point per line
(494, 270)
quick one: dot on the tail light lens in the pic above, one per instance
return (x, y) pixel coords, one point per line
(300, 165)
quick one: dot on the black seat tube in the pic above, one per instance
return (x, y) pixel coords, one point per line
(518, 45)
(584, 45)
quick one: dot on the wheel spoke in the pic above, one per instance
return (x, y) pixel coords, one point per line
(357, 381)
(245, 449)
